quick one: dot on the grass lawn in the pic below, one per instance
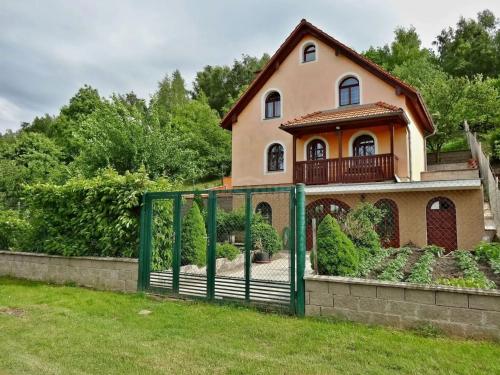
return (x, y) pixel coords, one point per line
(48, 329)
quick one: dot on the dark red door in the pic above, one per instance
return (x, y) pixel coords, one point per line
(388, 228)
(442, 223)
(318, 209)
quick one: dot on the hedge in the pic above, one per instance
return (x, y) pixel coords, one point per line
(97, 217)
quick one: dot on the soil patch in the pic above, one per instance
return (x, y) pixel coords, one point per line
(11, 311)
(446, 267)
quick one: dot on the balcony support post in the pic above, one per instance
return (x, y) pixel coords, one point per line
(294, 153)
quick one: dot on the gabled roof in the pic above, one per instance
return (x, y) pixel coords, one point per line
(345, 114)
(305, 28)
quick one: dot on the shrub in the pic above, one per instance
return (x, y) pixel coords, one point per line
(94, 217)
(229, 222)
(421, 272)
(335, 251)
(15, 231)
(437, 251)
(360, 225)
(194, 234)
(265, 238)
(471, 271)
(487, 251)
(227, 250)
(394, 270)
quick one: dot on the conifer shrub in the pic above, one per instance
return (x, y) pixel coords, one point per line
(336, 253)
(194, 234)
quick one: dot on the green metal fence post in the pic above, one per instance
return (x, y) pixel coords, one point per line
(291, 245)
(301, 249)
(248, 243)
(176, 259)
(211, 243)
(145, 243)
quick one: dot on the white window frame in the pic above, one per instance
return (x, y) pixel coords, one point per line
(301, 51)
(337, 88)
(360, 133)
(266, 149)
(263, 104)
(306, 145)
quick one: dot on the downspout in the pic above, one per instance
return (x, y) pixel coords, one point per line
(409, 153)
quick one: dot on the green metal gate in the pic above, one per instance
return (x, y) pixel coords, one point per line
(244, 245)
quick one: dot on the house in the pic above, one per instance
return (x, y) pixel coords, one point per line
(321, 114)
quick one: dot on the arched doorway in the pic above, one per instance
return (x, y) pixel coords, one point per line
(442, 223)
(318, 209)
(388, 228)
(265, 210)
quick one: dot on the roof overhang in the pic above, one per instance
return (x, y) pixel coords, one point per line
(393, 187)
(332, 125)
(303, 29)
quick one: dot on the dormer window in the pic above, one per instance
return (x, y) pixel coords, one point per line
(349, 91)
(309, 53)
(273, 105)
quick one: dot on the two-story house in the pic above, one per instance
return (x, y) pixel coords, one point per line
(321, 114)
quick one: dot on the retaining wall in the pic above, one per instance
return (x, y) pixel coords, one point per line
(118, 274)
(461, 312)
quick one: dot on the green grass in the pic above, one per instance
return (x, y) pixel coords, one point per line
(70, 330)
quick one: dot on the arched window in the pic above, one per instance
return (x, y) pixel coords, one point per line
(265, 210)
(275, 158)
(309, 53)
(273, 105)
(388, 228)
(364, 145)
(349, 91)
(316, 150)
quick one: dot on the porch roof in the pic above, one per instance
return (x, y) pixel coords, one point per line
(366, 114)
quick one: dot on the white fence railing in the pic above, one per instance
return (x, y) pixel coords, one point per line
(490, 180)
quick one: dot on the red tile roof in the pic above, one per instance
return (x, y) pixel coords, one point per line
(365, 111)
(306, 28)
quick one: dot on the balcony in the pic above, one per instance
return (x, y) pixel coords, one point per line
(356, 169)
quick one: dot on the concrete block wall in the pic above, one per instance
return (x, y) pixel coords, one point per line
(117, 274)
(456, 311)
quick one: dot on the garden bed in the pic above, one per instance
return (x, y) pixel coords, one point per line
(410, 264)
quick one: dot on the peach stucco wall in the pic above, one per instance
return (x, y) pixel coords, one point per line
(412, 213)
(305, 88)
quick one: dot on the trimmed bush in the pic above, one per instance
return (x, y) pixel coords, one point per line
(15, 231)
(194, 242)
(96, 217)
(265, 238)
(227, 250)
(336, 252)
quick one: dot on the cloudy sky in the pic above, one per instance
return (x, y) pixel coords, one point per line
(50, 48)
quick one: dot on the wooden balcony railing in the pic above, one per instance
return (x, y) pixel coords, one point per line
(346, 170)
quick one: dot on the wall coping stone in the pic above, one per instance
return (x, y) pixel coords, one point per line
(441, 288)
(105, 259)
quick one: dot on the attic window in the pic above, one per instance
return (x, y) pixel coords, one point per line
(349, 91)
(309, 53)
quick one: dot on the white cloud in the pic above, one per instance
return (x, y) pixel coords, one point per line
(48, 49)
